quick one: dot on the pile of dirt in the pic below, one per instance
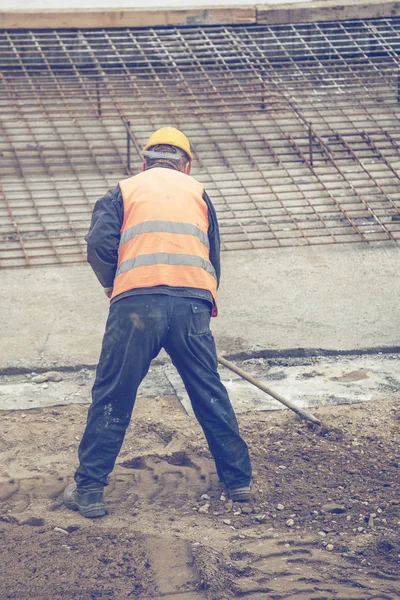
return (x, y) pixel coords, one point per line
(325, 521)
(45, 563)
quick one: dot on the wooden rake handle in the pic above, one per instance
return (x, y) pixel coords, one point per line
(303, 414)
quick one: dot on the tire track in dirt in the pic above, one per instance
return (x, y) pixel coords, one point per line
(20, 495)
(165, 480)
(273, 569)
(172, 567)
(169, 479)
(41, 563)
(153, 480)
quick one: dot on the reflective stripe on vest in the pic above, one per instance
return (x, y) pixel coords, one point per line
(166, 227)
(162, 258)
(164, 236)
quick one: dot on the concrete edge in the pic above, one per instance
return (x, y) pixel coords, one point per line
(300, 12)
(97, 19)
(279, 356)
(327, 10)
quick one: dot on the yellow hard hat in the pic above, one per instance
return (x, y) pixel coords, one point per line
(171, 137)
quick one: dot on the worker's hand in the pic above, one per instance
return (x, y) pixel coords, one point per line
(108, 292)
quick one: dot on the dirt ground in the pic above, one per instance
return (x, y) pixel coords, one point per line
(324, 524)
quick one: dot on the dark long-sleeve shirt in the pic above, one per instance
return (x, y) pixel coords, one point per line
(103, 243)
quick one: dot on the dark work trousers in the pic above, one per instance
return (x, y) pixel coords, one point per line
(137, 328)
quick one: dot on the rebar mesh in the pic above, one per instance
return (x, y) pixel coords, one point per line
(295, 129)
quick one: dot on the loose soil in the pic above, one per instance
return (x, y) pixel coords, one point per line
(173, 533)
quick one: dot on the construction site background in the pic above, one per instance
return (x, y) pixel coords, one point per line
(296, 138)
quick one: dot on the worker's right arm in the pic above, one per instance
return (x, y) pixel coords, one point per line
(104, 235)
(213, 237)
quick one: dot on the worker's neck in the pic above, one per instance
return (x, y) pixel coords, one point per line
(163, 166)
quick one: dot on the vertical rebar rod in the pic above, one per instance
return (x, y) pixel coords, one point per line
(98, 96)
(310, 143)
(263, 90)
(398, 86)
(128, 146)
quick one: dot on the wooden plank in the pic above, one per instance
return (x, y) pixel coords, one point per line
(295, 12)
(94, 19)
(326, 10)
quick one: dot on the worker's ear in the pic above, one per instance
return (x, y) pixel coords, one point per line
(188, 168)
(143, 166)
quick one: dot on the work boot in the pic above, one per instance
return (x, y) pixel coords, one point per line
(241, 494)
(89, 502)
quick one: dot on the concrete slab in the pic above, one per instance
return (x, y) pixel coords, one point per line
(25, 395)
(101, 13)
(335, 297)
(317, 381)
(20, 392)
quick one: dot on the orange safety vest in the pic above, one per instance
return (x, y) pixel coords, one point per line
(164, 237)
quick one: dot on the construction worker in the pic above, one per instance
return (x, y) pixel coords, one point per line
(153, 243)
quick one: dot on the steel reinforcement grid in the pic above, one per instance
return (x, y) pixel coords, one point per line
(295, 129)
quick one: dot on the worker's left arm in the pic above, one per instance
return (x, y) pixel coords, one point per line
(213, 237)
(104, 236)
